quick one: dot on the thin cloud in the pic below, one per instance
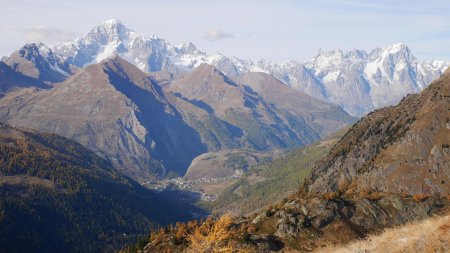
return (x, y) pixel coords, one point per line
(47, 34)
(216, 34)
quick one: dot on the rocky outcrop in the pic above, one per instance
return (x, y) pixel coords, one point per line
(361, 215)
(390, 168)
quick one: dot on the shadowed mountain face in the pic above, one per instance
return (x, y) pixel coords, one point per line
(404, 148)
(11, 80)
(57, 196)
(115, 110)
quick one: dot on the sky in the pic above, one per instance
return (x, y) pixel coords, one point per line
(277, 30)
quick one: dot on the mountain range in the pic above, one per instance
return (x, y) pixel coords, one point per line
(357, 80)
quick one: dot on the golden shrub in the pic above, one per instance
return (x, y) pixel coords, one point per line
(211, 236)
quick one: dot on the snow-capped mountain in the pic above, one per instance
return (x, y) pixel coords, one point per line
(147, 53)
(357, 80)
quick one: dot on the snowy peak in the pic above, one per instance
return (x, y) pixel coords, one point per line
(399, 49)
(111, 30)
(188, 48)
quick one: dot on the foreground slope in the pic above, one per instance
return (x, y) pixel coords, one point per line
(57, 196)
(431, 235)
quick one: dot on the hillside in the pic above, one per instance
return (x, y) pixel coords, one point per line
(324, 118)
(227, 163)
(57, 196)
(403, 148)
(431, 235)
(271, 182)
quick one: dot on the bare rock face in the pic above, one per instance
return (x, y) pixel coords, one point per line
(115, 110)
(397, 149)
(361, 214)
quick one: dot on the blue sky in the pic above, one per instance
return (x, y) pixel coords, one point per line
(276, 30)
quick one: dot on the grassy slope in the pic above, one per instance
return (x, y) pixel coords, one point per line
(430, 235)
(269, 183)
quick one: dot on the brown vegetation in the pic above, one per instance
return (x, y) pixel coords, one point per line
(209, 235)
(431, 235)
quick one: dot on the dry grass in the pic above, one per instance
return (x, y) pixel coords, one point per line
(213, 237)
(430, 235)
